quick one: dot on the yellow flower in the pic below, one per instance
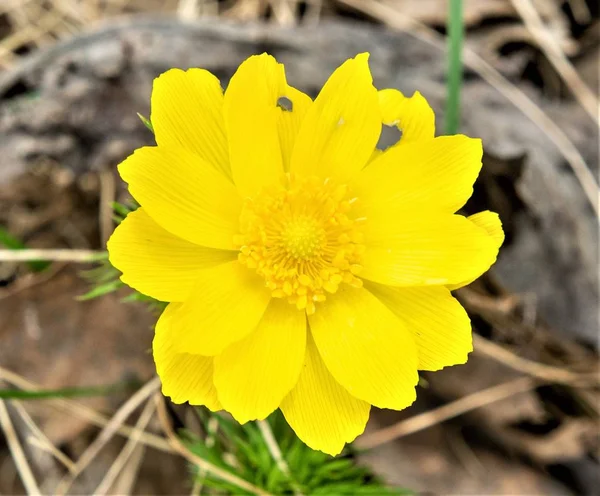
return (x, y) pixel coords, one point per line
(304, 269)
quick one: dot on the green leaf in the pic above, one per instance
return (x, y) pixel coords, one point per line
(146, 122)
(101, 290)
(74, 392)
(311, 471)
(13, 243)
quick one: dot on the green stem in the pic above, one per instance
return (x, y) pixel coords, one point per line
(455, 42)
(73, 392)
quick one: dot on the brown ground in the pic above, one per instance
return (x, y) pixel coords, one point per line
(68, 97)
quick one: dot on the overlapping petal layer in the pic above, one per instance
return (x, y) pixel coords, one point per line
(157, 263)
(226, 304)
(426, 250)
(254, 374)
(184, 376)
(490, 221)
(187, 112)
(185, 194)
(439, 324)
(322, 413)
(360, 341)
(260, 130)
(434, 175)
(341, 128)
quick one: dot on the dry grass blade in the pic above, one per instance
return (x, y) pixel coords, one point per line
(529, 367)
(126, 481)
(16, 450)
(108, 191)
(196, 460)
(58, 255)
(30, 280)
(40, 440)
(108, 432)
(397, 20)
(556, 56)
(284, 11)
(445, 412)
(71, 407)
(127, 450)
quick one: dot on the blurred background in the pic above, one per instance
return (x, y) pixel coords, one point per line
(520, 418)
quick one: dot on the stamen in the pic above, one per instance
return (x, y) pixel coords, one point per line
(302, 237)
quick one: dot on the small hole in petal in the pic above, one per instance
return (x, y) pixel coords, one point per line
(285, 104)
(390, 135)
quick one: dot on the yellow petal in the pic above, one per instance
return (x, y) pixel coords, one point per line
(434, 175)
(342, 126)
(412, 116)
(490, 221)
(184, 194)
(253, 375)
(184, 377)
(366, 348)
(226, 304)
(251, 117)
(187, 111)
(155, 262)
(423, 250)
(289, 122)
(321, 412)
(439, 324)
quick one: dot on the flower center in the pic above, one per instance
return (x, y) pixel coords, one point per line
(303, 237)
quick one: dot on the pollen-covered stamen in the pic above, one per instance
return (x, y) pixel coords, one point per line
(303, 237)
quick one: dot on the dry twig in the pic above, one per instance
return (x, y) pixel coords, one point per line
(529, 367)
(40, 440)
(556, 56)
(16, 450)
(58, 255)
(108, 432)
(126, 481)
(123, 457)
(108, 189)
(77, 409)
(445, 412)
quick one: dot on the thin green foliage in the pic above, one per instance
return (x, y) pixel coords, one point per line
(74, 392)
(146, 122)
(241, 450)
(455, 29)
(12, 243)
(105, 278)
